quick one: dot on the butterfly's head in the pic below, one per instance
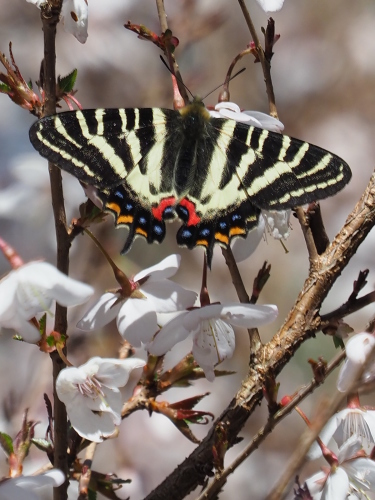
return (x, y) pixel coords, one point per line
(196, 108)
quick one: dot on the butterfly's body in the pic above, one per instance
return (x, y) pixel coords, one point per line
(150, 164)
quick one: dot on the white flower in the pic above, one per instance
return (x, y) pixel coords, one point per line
(345, 424)
(91, 395)
(213, 336)
(271, 5)
(38, 3)
(23, 487)
(232, 111)
(30, 290)
(358, 348)
(272, 221)
(136, 315)
(74, 15)
(350, 470)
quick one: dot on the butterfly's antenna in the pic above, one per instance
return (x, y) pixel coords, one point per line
(178, 79)
(226, 82)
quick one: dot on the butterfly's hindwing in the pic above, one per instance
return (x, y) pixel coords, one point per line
(214, 173)
(127, 210)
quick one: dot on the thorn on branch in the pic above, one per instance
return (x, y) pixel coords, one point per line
(269, 39)
(270, 391)
(315, 222)
(220, 446)
(319, 369)
(260, 281)
(358, 284)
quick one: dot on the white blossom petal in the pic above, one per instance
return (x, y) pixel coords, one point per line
(271, 5)
(74, 15)
(247, 315)
(23, 487)
(361, 472)
(171, 333)
(349, 449)
(355, 421)
(267, 122)
(163, 270)
(38, 3)
(101, 313)
(31, 289)
(115, 372)
(137, 321)
(168, 296)
(213, 343)
(325, 436)
(315, 483)
(42, 276)
(232, 111)
(337, 485)
(358, 349)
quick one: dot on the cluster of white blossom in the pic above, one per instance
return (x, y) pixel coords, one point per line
(91, 392)
(351, 471)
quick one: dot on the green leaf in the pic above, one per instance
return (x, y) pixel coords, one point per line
(6, 443)
(42, 324)
(42, 444)
(92, 495)
(66, 83)
(338, 342)
(4, 88)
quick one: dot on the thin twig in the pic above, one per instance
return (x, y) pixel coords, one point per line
(308, 235)
(266, 66)
(243, 296)
(349, 308)
(164, 26)
(85, 478)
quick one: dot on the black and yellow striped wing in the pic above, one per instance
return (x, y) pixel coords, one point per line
(152, 164)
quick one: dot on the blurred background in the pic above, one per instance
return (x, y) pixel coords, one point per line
(323, 73)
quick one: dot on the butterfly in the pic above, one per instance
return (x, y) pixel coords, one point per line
(150, 165)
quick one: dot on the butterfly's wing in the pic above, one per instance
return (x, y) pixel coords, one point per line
(251, 169)
(99, 146)
(216, 174)
(279, 172)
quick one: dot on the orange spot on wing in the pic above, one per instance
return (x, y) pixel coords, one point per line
(236, 231)
(203, 243)
(141, 232)
(222, 238)
(125, 219)
(114, 207)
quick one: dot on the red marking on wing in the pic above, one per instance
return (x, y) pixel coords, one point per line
(194, 219)
(158, 211)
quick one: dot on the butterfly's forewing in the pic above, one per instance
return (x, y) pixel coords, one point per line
(99, 146)
(279, 172)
